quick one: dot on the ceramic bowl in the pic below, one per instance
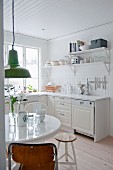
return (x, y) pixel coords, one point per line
(85, 47)
(62, 62)
(54, 63)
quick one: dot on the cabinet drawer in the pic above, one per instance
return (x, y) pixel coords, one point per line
(65, 119)
(63, 112)
(62, 106)
(63, 99)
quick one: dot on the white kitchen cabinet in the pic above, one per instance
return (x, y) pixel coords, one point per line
(51, 105)
(83, 119)
(42, 99)
(91, 117)
(63, 110)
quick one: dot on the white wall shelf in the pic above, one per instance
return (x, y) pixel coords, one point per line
(106, 64)
(90, 51)
(102, 49)
(74, 66)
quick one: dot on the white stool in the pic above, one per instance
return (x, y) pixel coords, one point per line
(66, 138)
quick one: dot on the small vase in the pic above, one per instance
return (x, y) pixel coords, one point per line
(12, 119)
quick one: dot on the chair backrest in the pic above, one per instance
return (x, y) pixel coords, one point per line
(35, 107)
(33, 156)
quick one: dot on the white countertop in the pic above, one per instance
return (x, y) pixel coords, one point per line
(73, 96)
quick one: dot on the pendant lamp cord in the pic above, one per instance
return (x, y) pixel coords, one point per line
(13, 23)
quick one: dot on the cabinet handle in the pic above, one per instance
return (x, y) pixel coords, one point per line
(62, 103)
(62, 98)
(81, 102)
(62, 114)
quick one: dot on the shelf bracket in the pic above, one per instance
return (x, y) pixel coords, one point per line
(73, 68)
(107, 67)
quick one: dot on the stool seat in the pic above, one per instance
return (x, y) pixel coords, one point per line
(65, 137)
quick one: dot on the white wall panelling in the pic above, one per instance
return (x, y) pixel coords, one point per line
(58, 18)
(59, 48)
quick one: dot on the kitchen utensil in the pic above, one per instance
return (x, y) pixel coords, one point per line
(99, 81)
(105, 82)
(95, 82)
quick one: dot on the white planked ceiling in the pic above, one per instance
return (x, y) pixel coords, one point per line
(57, 17)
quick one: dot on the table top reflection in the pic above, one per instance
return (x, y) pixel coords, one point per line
(31, 131)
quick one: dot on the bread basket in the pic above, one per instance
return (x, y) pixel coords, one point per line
(52, 88)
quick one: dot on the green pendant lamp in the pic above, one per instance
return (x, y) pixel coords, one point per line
(14, 70)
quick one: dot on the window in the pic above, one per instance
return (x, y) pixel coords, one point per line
(32, 65)
(28, 57)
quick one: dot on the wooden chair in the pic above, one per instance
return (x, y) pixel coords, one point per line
(33, 156)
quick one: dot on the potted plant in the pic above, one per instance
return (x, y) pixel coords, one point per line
(30, 88)
(12, 102)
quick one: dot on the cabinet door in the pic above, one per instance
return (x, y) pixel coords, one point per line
(51, 105)
(83, 119)
(64, 117)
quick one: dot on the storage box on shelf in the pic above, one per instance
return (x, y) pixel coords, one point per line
(98, 43)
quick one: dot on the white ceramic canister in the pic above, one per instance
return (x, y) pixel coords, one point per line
(22, 118)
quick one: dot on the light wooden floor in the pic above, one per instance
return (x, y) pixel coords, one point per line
(90, 155)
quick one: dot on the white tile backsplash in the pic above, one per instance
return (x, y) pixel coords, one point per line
(74, 82)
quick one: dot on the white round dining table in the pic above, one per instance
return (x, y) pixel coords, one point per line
(34, 133)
